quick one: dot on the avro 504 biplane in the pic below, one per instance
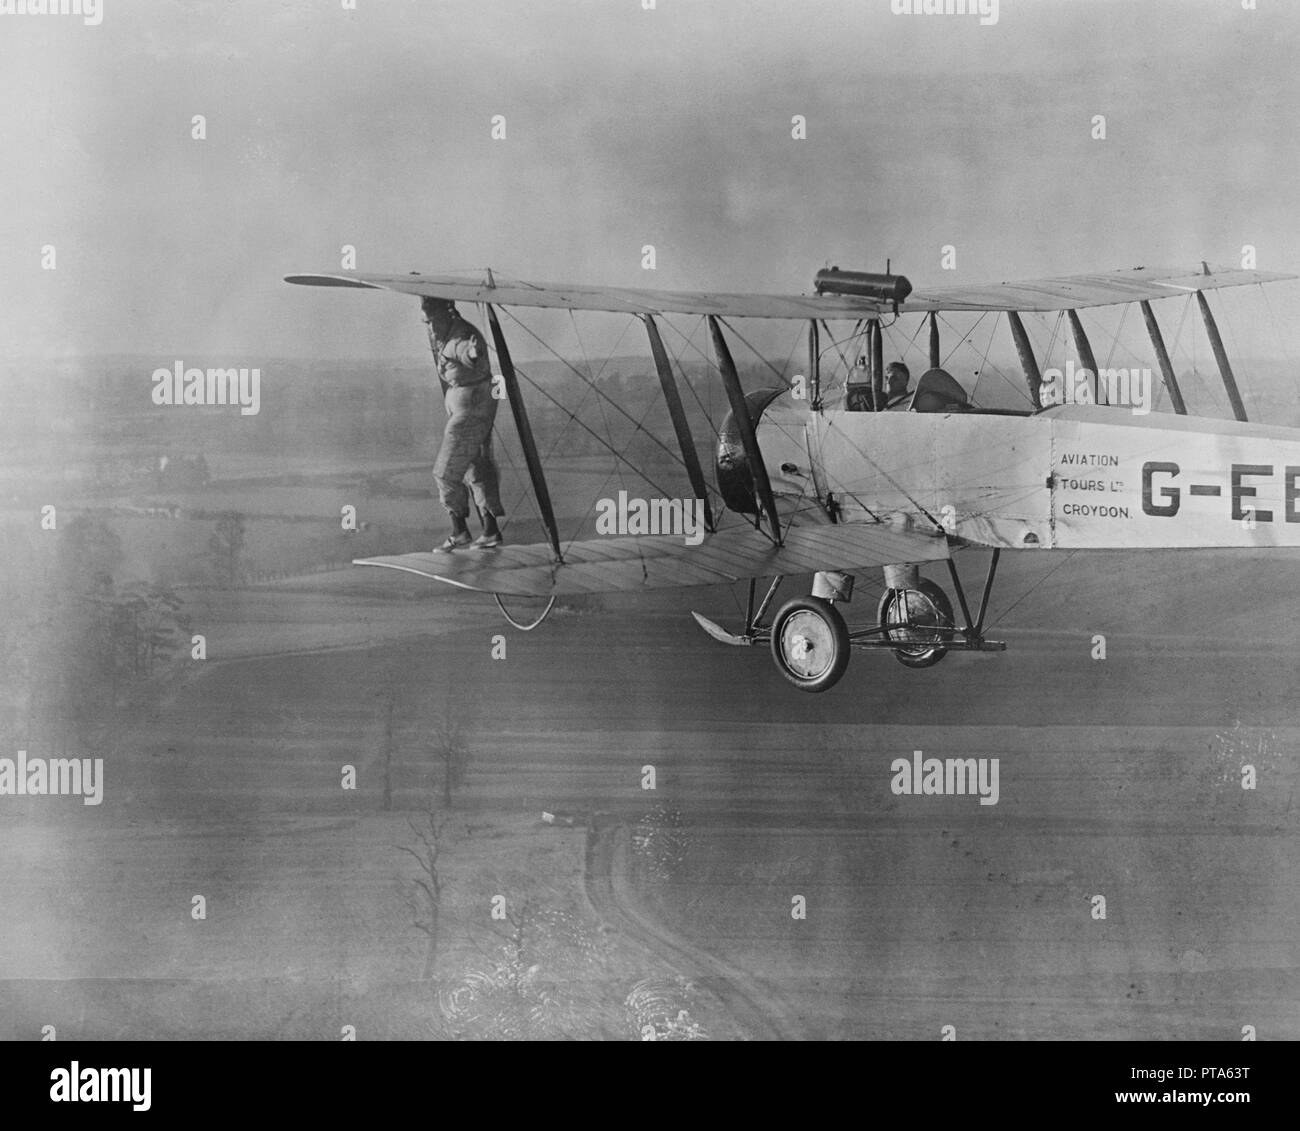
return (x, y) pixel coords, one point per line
(828, 489)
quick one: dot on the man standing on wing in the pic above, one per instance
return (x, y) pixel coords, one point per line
(461, 357)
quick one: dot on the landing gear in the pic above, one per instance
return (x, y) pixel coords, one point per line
(918, 622)
(810, 643)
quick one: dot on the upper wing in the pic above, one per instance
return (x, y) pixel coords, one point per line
(1075, 291)
(608, 565)
(1067, 293)
(619, 300)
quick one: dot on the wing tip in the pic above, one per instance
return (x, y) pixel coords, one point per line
(330, 281)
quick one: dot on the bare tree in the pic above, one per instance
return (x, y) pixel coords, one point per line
(518, 934)
(390, 743)
(89, 555)
(226, 547)
(426, 894)
(452, 750)
(153, 625)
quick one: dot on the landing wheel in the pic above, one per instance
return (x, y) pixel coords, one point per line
(920, 620)
(810, 643)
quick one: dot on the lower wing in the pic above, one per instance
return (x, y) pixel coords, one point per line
(628, 564)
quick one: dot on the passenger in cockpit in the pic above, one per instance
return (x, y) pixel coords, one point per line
(897, 379)
(895, 391)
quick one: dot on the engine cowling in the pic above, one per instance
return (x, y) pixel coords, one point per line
(735, 476)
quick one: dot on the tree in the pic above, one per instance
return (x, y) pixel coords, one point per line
(521, 926)
(73, 666)
(659, 1009)
(426, 894)
(452, 750)
(390, 742)
(89, 554)
(545, 976)
(660, 843)
(150, 625)
(226, 547)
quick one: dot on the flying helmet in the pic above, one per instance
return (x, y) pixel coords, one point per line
(435, 306)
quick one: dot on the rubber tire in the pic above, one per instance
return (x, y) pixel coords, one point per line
(839, 642)
(939, 599)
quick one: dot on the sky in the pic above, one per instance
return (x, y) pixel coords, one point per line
(372, 127)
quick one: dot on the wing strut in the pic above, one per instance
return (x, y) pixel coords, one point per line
(814, 366)
(1162, 358)
(525, 430)
(748, 438)
(1221, 356)
(677, 413)
(935, 359)
(1026, 351)
(1083, 348)
(876, 340)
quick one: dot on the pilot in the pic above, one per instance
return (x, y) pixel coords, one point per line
(461, 357)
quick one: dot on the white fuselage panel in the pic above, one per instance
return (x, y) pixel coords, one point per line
(1071, 477)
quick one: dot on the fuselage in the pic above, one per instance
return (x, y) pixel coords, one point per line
(1069, 477)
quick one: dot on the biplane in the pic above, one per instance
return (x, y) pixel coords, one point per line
(832, 486)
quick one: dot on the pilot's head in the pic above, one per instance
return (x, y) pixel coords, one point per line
(896, 379)
(438, 312)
